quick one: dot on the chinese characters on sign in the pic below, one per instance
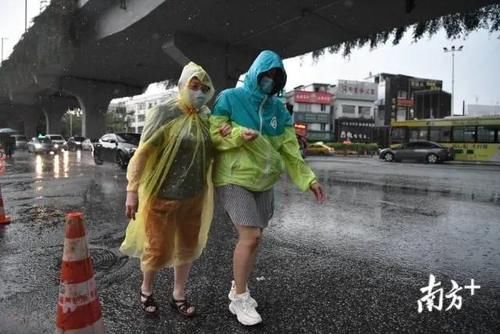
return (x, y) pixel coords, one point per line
(434, 295)
(313, 97)
(357, 89)
(402, 102)
(426, 84)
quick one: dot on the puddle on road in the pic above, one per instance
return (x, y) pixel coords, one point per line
(31, 270)
(422, 227)
(480, 195)
(43, 215)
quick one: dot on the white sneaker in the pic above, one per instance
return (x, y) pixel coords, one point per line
(244, 311)
(232, 293)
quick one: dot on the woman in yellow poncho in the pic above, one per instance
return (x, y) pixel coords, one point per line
(169, 186)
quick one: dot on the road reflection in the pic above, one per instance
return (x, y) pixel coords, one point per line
(38, 166)
(53, 165)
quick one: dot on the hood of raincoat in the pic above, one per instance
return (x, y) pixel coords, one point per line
(190, 71)
(265, 61)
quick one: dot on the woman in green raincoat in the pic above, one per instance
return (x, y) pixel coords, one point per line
(249, 161)
(169, 191)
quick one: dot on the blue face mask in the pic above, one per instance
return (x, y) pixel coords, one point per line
(267, 85)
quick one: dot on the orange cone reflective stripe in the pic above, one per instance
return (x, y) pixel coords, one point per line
(4, 219)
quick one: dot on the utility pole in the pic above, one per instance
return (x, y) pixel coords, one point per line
(453, 50)
(25, 15)
(2, 38)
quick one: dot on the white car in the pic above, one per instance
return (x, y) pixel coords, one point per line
(58, 141)
(87, 145)
(21, 142)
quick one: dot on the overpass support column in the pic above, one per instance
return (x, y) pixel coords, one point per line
(53, 122)
(53, 108)
(94, 115)
(30, 116)
(93, 98)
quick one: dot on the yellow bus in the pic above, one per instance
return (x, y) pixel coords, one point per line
(472, 138)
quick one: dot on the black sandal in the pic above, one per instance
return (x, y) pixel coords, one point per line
(149, 302)
(182, 306)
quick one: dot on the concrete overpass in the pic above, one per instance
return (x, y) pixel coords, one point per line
(87, 52)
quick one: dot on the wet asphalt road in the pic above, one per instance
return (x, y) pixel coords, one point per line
(353, 265)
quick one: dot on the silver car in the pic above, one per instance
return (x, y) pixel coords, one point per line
(427, 151)
(41, 145)
(21, 142)
(58, 141)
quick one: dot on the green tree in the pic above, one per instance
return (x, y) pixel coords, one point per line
(457, 25)
(116, 121)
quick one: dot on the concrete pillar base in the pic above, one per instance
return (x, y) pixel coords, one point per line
(30, 116)
(54, 108)
(93, 98)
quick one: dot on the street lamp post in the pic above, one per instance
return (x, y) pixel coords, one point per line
(453, 49)
(2, 38)
(25, 15)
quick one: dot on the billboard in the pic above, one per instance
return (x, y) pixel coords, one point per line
(425, 84)
(311, 117)
(357, 90)
(301, 96)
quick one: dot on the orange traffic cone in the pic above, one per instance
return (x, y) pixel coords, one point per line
(78, 306)
(3, 218)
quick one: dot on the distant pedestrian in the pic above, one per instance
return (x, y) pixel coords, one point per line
(10, 146)
(249, 161)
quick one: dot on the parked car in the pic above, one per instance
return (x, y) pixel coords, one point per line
(319, 149)
(87, 145)
(75, 143)
(41, 145)
(427, 151)
(21, 142)
(58, 141)
(116, 147)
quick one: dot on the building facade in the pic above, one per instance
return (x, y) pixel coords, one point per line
(482, 110)
(402, 97)
(432, 104)
(137, 106)
(354, 110)
(312, 105)
(335, 112)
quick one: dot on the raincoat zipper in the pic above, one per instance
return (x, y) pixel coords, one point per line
(267, 166)
(260, 112)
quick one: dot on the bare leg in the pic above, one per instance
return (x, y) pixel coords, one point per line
(244, 255)
(147, 287)
(181, 275)
(147, 282)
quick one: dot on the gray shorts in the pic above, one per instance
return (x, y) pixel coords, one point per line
(245, 207)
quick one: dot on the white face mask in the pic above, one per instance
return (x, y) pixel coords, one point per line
(197, 98)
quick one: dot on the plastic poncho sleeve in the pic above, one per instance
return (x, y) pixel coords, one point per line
(154, 119)
(136, 166)
(300, 173)
(233, 140)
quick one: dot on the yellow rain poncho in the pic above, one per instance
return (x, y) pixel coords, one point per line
(171, 170)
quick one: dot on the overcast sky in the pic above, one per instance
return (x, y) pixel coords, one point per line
(477, 67)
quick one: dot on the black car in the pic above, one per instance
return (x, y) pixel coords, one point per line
(75, 143)
(427, 151)
(116, 147)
